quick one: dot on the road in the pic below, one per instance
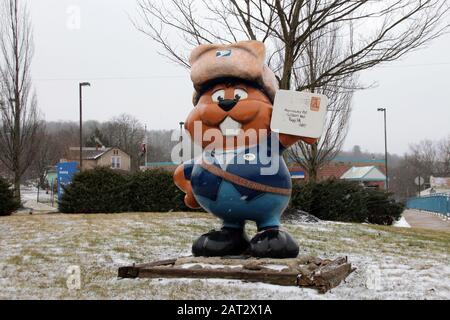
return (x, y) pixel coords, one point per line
(425, 220)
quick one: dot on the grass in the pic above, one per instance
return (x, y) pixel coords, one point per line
(37, 250)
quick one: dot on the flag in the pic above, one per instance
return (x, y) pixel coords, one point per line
(143, 149)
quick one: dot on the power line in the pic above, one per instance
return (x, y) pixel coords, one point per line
(418, 65)
(180, 77)
(109, 78)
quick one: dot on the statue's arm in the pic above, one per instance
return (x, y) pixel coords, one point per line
(181, 178)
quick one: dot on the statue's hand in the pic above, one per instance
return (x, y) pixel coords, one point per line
(185, 186)
(190, 201)
(309, 140)
(288, 140)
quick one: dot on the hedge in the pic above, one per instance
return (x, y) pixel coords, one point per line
(8, 204)
(155, 191)
(96, 191)
(103, 190)
(338, 200)
(382, 209)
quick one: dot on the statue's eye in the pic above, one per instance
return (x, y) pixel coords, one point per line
(240, 94)
(218, 95)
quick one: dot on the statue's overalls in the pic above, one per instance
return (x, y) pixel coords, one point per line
(234, 203)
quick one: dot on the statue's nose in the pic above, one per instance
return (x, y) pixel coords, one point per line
(227, 104)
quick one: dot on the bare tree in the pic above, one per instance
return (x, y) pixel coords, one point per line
(371, 32)
(444, 156)
(313, 45)
(126, 133)
(160, 145)
(403, 176)
(49, 152)
(319, 54)
(423, 157)
(20, 119)
(426, 158)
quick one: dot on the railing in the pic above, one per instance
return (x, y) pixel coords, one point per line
(438, 203)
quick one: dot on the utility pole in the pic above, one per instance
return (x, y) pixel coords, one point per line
(385, 148)
(146, 147)
(81, 85)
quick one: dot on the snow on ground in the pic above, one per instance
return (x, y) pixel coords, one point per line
(402, 223)
(36, 252)
(29, 197)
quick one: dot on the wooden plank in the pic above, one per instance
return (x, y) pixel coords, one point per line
(134, 270)
(273, 277)
(303, 271)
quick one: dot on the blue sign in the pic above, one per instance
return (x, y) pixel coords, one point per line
(65, 171)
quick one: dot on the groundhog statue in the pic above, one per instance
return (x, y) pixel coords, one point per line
(241, 175)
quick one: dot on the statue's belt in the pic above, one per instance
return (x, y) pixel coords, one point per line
(244, 182)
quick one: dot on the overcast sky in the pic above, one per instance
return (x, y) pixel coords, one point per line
(128, 76)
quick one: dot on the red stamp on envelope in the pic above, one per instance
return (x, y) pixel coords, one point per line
(315, 104)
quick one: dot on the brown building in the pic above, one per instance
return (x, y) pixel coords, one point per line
(336, 168)
(113, 158)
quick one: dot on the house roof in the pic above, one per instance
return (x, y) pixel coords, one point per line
(370, 173)
(87, 153)
(357, 160)
(350, 159)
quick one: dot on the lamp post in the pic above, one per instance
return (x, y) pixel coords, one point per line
(81, 85)
(146, 147)
(385, 148)
(181, 139)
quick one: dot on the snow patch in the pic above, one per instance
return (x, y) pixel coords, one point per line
(276, 267)
(402, 223)
(208, 266)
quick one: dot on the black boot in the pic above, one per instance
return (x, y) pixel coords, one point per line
(226, 242)
(273, 243)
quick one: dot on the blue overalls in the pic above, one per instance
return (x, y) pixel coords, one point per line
(233, 203)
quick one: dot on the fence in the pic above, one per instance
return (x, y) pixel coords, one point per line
(438, 203)
(47, 197)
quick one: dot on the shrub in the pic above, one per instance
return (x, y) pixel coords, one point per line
(101, 190)
(383, 210)
(339, 200)
(155, 191)
(333, 200)
(8, 204)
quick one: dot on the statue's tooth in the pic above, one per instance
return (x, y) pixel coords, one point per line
(230, 127)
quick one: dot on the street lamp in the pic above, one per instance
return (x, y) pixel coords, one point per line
(81, 85)
(385, 148)
(181, 138)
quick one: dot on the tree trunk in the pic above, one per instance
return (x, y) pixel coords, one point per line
(17, 187)
(285, 82)
(313, 168)
(17, 109)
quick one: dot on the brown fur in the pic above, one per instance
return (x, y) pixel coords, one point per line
(254, 112)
